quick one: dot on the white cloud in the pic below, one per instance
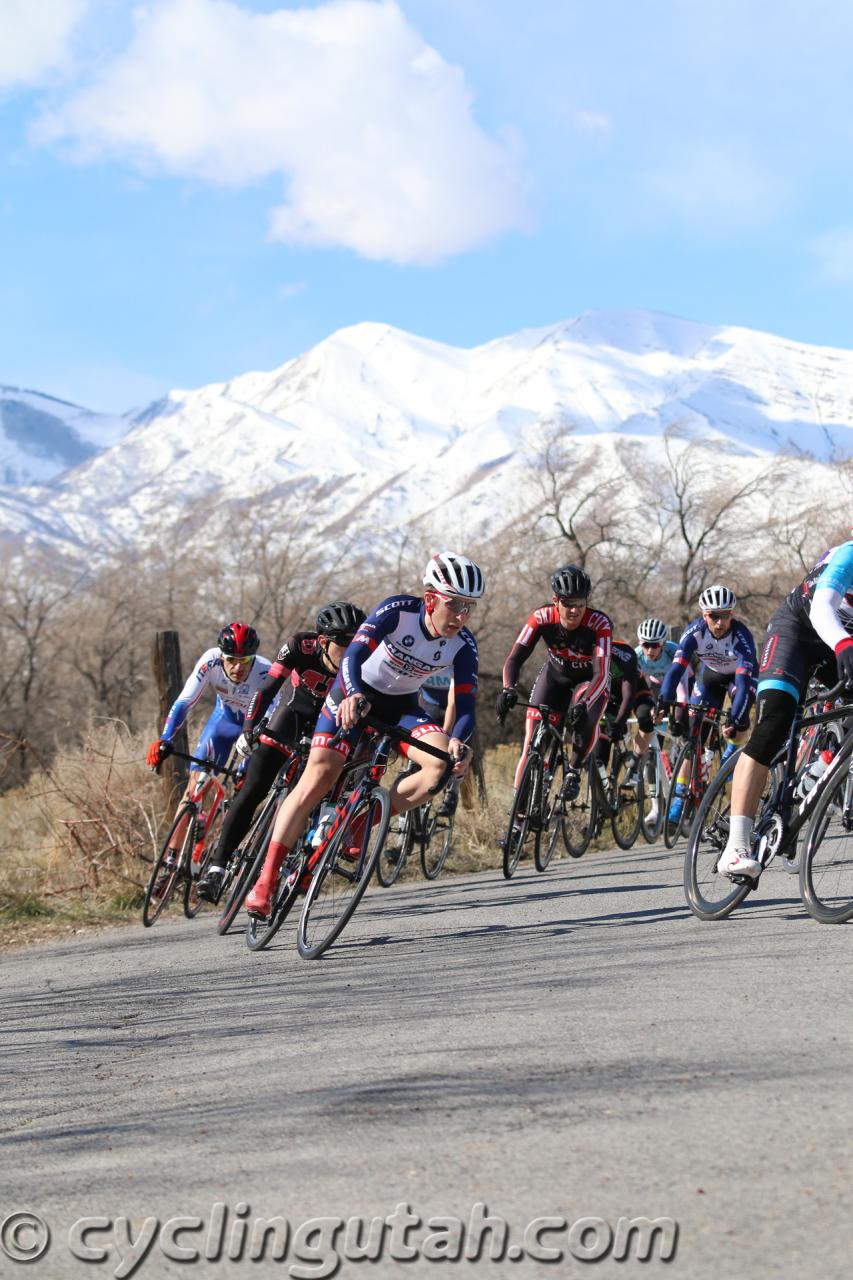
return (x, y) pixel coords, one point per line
(292, 289)
(595, 124)
(833, 253)
(714, 188)
(370, 129)
(34, 38)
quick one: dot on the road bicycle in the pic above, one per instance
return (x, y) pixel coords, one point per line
(199, 817)
(539, 808)
(657, 776)
(695, 762)
(342, 866)
(613, 794)
(784, 809)
(244, 864)
(438, 831)
(428, 829)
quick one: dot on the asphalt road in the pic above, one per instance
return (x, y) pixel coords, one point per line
(568, 1046)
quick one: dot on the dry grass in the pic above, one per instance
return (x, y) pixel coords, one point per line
(76, 842)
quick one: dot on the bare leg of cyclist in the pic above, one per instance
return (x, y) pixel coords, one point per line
(321, 773)
(414, 789)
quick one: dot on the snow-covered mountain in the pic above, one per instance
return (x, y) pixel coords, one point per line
(41, 437)
(415, 431)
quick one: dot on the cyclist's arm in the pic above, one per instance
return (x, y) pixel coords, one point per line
(278, 673)
(627, 701)
(680, 667)
(744, 646)
(519, 653)
(189, 696)
(465, 674)
(450, 710)
(600, 678)
(370, 634)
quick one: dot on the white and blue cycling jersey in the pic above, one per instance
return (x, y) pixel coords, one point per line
(435, 690)
(393, 654)
(732, 655)
(232, 702)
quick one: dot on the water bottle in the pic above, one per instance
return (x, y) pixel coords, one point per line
(706, 762)
(815, 770)
(318, 835)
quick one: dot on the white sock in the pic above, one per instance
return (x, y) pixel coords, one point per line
(740, 833)
(219, 869)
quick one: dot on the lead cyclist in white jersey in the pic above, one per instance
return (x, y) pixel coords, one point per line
(404, 641)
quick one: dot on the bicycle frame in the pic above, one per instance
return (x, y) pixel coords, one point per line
(789, 814)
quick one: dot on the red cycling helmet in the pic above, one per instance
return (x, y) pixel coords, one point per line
(238, 639)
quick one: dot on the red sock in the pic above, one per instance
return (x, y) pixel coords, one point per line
(276, 854)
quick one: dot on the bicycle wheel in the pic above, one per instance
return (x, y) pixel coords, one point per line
(341, 878)
(553, 807)
(522, 817)
(684, 767)
(260, 933)
(826, 864)
(652, 815)
(395, 852)
(199, 862)
(580, 814)
(711, 896)
(244, 866)
(627, 819)
(164, 876)
(435, 843)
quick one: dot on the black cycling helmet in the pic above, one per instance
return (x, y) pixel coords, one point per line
(339, 621)
(570, 581)
(238, 640)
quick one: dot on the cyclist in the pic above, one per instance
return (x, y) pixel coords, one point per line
(404, 641)
(727, 660)
(627, 689)
(235, 673)
(309, 662)
(574, 681)
(810, 633)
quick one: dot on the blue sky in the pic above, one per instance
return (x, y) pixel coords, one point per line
(190, 189)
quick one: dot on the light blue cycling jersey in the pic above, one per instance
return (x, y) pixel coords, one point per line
(655, 669)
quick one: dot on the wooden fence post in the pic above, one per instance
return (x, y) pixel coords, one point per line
(166, 658)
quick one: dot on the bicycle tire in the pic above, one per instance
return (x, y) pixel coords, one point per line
(826, 864)
(552, 806)
(260, 933)
(706, 841)
(629, 800)
(651, 831)
(388, 867)
(672, 830)
(192, 902)
(241, 878)
(323, 919)
(521, 812)
(581, 814)
(154, 904)
(437, 832)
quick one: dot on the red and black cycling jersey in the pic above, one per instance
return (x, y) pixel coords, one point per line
(299, 660)
(573, 656)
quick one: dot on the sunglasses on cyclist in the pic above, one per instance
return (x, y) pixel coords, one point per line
(238, 661)
(718, 615)
(338, 637)
(571, 602)
(652, 644)
(461, 608)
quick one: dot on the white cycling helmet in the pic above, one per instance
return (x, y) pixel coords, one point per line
(653, 631)
(717, 597)
(454, 575)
